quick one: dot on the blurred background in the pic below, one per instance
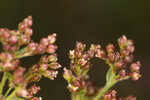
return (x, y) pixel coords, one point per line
(89, 21)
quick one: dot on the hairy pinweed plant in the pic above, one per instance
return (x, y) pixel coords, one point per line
(18, 44)
(21, 82)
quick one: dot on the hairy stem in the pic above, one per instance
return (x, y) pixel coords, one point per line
(4, 79)
(7, 92)
(22, 53)
(104, 90)
(77, 96)
(13, 93)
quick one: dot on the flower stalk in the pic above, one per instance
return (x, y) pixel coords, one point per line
(109, 84)
(2, 84)
(7, 92)
(13, 93)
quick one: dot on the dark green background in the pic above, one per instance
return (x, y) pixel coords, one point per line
(90, 21)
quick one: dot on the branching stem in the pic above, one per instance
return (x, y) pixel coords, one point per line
(104, 90)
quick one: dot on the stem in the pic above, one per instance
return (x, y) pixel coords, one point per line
(7, 92)
(30, 76)
(3, 82)
(104, 90)
(77, 96)
(13, 93)
(22, 53)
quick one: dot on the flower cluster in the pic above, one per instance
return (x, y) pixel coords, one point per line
(46, 67)
(18, 44)
(12, 40)
(22, 82)
(118, 62)
(112, 95)
(126, 59)
(79, 66)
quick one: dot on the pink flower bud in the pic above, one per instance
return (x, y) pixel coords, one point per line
(24, 39)
(7, 47)
(123, 73)
(44, 59)
(32, 46)
(82, 62)
(3, 56)
(40, 49)
(122, 41)
(51, 48)
(22, 26)
(130, 42)
(113, 93)
(94, 47)
(100, 54)
(14, 48)
(130, 48)
(67, 74)
(86, 56)
(28, 21)
(52, 58)
(8, 66)
(130, 98)
(125, 52)
(91, 89)
(9, 56)
(52, 38)
(44, 67)
(108, 96)
(18, 80)
(19, 71)
(36, 98)
(110, 48)
(73, 88)
(13, 39)
(44, 41)
(51, 74)
(135, 67)
(33, 89)
(71, 54)
(111, 56)
(90, 53)
(128, 59)
(28, 32)
(87, 66)
(54, 65)
(135, 76)
(78, 53)
(80, 46)
(119, 64)
(5, 34)
(77, 83)
(22, 93)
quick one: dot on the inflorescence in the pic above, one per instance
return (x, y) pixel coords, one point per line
(16, 45)
(21, 82)
(121, 67)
